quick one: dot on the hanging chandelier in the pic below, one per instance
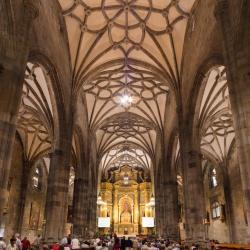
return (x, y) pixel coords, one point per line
(126, 100)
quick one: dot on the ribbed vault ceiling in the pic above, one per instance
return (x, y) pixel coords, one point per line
(215, 116)
(132, 48)
(35, 119)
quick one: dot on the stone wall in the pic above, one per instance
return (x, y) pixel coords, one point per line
(33, 218)
(34, 199)
(233, 228)
(218, 228)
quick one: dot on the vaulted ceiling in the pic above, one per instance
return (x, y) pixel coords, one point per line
(126, 58)
(215, 116)
(35, 123)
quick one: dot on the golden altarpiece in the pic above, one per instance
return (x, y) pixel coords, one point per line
(126, 199)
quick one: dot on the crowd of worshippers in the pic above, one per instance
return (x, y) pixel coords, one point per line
(101, 243)
(16, 243)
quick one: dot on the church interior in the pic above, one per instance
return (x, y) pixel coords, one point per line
(125, 116)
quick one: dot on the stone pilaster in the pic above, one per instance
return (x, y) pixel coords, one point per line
(57, 197)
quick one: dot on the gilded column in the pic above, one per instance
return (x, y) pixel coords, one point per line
(147, 197)
(136, 208)
(115, 210)
(136, 211)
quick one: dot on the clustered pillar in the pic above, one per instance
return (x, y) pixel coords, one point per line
(166, 207)
(158, 202)
(57, 197)
(84, 206)
(194, 203)
(79, 205)
(171, 215)
(92, 198)
(92, 212)
(237, 54)
(13, 58)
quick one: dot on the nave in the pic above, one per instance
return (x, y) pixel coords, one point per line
(125, 118)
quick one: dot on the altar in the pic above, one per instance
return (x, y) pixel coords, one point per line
(126, 199)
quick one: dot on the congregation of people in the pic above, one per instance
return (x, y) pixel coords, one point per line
(101, 243)
(15, 243)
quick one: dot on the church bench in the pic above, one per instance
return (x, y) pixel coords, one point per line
(234, 246)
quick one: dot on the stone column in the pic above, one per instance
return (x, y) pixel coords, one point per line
(24, 188)
(13, 59)
(171, 216)
(236, 43)
(161, 204)
(162, 211)
(93, 221)
(158, 216)
(91, 208)
(194, 204)
(228, 204)
(79, 198)
(85, 204)
(57, 197)
(159, 210)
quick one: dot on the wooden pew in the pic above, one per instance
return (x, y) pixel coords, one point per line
(233, 246)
